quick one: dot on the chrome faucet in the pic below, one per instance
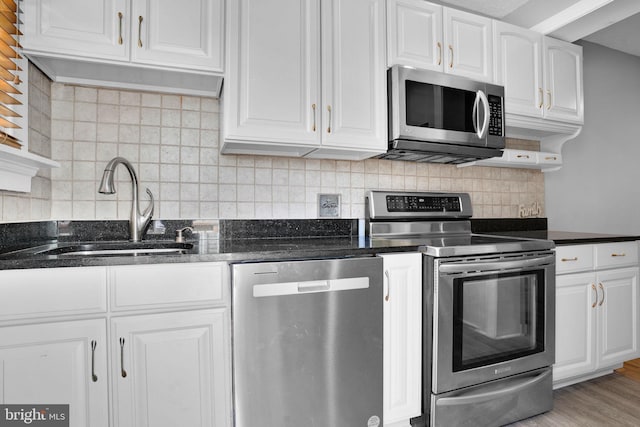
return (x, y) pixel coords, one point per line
(138, 221)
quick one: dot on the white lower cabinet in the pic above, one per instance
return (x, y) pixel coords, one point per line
(169, 369)
(168, 348)
(402, 330)
(596, 310)
(57, 363)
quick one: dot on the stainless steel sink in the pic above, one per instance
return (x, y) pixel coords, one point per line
(90, 249)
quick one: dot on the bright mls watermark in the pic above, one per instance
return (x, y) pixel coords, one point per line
(34, 415)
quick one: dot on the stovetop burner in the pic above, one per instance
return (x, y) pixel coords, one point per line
(438, 223)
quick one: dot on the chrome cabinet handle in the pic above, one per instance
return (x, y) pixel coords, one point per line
(551, 158)
(620, 254)
(450, 56)
(94, 377)
(575, 258)
(549, 105)
(388, 276)
(602, 288)
(439, 53)
(313, 107)
(329, 126)
(522, 156)
(541, 93)
(122, 371)
(593, 287)
(139, 31)
(120, 28)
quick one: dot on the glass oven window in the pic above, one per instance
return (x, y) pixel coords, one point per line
(497, 317)
(433, 106)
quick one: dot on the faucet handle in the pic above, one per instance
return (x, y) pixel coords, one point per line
(149, 210)
(179, 236)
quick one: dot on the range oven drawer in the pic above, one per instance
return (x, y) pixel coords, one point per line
(495, 403)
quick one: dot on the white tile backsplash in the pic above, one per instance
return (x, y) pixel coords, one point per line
(173, 142)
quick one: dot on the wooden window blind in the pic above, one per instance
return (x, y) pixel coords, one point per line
(10, 71)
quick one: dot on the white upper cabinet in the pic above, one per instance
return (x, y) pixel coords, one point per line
(152, 32)
(414, 34)
(272, 89)
(289, 92)
(96, 28)
(354, 95)
(563, 81)
(155, 45)
(189, 35)
(429, 36)
(542, 76)
(468, 39)
(518, 66)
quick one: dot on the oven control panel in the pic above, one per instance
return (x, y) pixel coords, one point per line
(416, 203)
(382, 205)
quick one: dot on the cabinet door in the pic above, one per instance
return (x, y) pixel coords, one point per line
(414, 34)
(53, 364)
(518, 67)
(354, 96)
(563, 81)
(576, 309)
(171, 369)
(402, 311)
(618, 306)
(188, 36)
(96, 28)
(468, 41)
(272, 80)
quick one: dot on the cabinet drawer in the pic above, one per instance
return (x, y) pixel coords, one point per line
(616, 254)
(44, 292)
(162, 285)
(574, 258)
(520, 156)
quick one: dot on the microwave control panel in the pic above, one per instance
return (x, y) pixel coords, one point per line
(495, 117)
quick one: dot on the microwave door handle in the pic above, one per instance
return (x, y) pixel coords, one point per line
(474, 114)
(487, 113)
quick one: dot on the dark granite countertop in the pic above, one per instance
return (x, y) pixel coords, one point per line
(244, 240)
(228, 240)
(536, 228)
(247, 250)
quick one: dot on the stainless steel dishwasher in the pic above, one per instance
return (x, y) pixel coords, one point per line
(307, 342)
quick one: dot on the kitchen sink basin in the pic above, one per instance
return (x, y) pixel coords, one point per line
(90, 249)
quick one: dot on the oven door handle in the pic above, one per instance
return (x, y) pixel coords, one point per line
(470, 267)
(473, 398)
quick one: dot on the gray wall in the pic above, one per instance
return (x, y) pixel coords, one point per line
(598, 188)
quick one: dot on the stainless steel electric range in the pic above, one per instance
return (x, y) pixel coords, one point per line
(488, 310)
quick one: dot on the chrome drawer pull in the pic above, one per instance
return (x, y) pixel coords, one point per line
(622, 254)
(94, 377)
(122, 371)
(575, 258)
(386, 273)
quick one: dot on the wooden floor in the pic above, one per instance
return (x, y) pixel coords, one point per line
(612, 400)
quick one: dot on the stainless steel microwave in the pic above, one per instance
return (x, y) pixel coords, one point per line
(436, 117)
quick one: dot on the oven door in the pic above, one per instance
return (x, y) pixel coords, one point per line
(493, 317)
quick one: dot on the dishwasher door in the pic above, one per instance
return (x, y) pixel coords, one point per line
(307, 342)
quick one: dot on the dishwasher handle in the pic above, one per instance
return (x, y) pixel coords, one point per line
(310, 286)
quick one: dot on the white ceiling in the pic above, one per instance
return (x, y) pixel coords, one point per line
(611, 23)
